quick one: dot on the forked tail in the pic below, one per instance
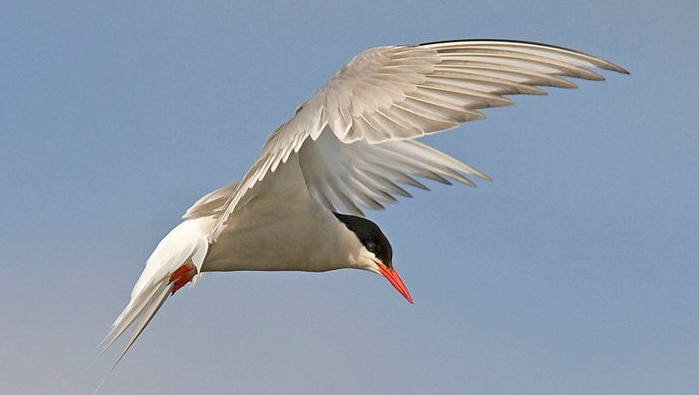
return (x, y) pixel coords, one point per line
(176, 261)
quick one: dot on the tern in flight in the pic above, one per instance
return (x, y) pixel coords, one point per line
(351, 146)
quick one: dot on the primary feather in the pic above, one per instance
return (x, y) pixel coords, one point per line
(398, 93)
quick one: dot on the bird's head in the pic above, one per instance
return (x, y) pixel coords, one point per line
(376, 252)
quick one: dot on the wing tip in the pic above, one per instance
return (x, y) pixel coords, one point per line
(594, 60)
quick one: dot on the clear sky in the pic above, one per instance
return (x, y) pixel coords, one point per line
(574, 272)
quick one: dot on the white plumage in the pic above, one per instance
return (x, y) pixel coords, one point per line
(350, 147)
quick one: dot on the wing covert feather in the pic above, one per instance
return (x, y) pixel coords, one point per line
(385, 97)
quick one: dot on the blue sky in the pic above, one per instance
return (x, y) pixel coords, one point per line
(574, 272)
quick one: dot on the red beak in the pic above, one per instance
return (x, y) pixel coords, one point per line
(392, 276)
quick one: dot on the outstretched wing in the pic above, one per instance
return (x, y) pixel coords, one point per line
(369, 112)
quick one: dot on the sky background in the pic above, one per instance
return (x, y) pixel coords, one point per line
(574, 272)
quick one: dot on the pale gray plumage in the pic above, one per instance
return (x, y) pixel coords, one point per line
(350, 147)
(400, 93)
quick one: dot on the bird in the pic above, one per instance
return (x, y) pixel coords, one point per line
(351, 147)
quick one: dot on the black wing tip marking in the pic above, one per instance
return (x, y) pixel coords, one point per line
(612, 66)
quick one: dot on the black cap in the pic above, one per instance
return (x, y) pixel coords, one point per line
(370, 236)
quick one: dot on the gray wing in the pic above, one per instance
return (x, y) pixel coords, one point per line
(356, 133)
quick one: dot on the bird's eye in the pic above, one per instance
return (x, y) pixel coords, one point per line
(371, 246)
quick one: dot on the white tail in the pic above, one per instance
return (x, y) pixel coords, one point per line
(186, 244)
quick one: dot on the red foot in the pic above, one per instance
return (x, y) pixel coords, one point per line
(182, 275)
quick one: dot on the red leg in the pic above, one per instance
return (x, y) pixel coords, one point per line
(182, 275)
